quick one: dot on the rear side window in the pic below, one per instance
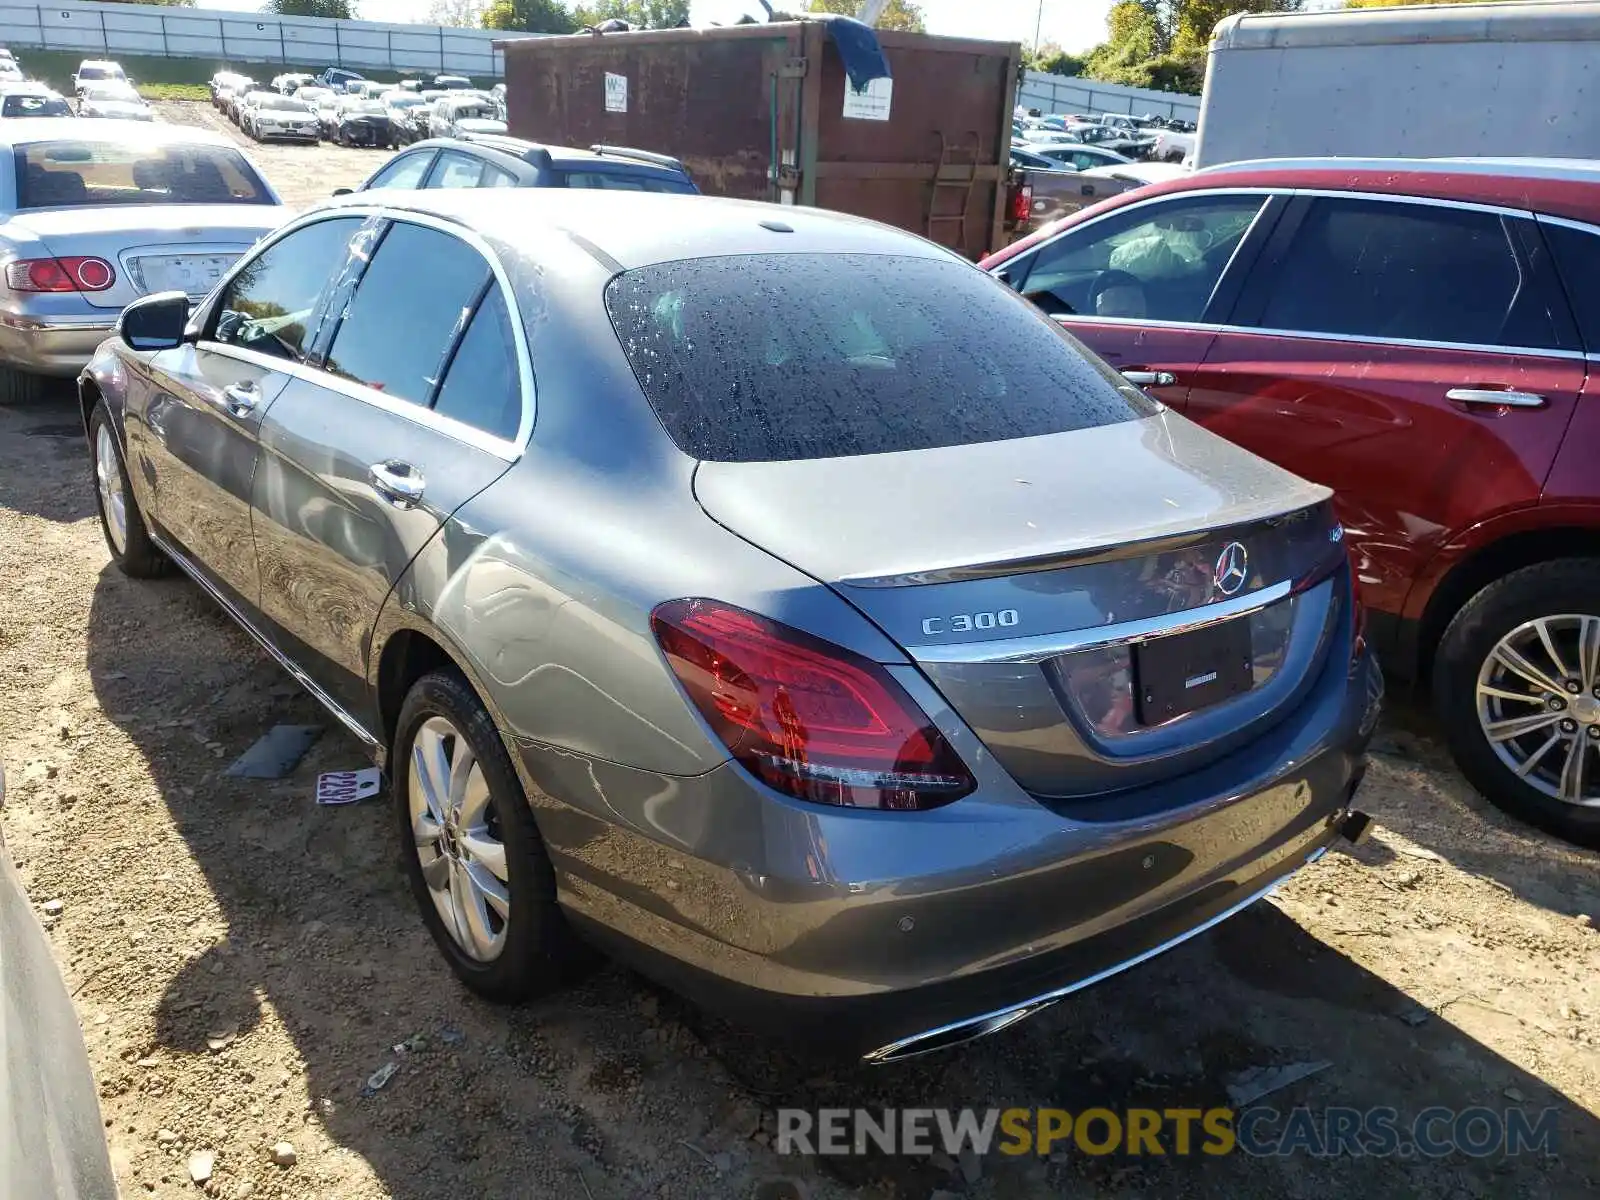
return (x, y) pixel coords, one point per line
(762, 358)
(481, 387)
(411, 303)
(1577, 254)
(618, 181)
(1380, 269)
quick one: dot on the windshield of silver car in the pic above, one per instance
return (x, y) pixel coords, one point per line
(71, 174)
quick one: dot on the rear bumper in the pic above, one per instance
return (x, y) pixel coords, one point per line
(862, 931)
(56, 344)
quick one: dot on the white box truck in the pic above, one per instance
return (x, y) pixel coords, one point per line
(1501, 80)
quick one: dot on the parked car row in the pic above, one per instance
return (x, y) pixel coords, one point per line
(776, 612)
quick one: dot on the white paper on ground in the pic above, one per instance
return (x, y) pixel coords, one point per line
(346, 787)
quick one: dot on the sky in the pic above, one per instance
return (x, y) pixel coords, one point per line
(1075, 25)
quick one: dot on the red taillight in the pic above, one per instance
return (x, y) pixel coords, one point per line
(70, 274)
(804, 716)
(1022, 202)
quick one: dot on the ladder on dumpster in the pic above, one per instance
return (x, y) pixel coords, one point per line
(954, 181)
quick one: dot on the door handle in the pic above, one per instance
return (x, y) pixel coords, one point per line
(1151, 378)
(1490, 398)
(397, 482)
(241, 398)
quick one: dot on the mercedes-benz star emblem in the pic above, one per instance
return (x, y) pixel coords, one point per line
(1232, 569)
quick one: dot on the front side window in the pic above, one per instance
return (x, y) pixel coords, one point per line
(412, 301)
(404, 172)
(77, 173)
(759, 358)
(269, 304)
(1156, 262)
(1380, 269)
(455, 170)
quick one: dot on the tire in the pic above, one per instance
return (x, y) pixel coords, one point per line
(137, 556)
(537, 951)
(20, 387)
(1503, 610)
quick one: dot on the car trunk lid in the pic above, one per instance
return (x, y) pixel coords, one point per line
(154, 247)
(1021, 576)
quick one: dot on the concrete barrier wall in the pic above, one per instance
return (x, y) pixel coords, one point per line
(111, 29)
(1063, 93)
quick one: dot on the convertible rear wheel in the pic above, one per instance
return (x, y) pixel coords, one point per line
(474, 857)
(120, 519)
(1517, 687)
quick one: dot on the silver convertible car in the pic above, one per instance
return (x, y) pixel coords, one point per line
(761, 593)
(95, 214)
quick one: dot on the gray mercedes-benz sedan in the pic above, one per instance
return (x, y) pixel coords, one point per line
(763, 594)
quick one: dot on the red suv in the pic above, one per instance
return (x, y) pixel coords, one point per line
(1417, 335)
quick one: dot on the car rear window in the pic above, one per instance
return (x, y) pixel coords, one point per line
(78, 173)
(793, 356)
(25, 105)
(620, 181)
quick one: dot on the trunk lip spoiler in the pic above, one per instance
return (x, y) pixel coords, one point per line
(1081, 557)
(1040, 647)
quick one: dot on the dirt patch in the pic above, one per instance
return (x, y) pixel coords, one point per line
(244, 961)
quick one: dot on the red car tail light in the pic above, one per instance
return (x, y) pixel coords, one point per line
(70, 274)
(806, 717)
(1022, 202)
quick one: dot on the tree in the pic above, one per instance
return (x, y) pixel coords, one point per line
(343, 10)
(1052, 59)
(898, 14)
(529, 16)
(1162, 44)
(641, 14)
(465, 14)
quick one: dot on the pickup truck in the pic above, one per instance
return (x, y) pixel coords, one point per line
(1038, 197)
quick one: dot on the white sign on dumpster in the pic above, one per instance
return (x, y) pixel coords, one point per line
(871, 103)
(616, 93)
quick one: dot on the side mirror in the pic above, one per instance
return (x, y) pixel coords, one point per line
(155, 322)
(343, 191)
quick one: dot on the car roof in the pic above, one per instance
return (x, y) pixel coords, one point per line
(625, 230)
(26, 131)
(531, 154)
(25, 87)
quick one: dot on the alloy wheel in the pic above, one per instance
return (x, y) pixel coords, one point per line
(108, 478)
(1538, 702)
(457, 833)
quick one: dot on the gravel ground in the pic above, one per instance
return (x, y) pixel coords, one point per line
(243, 961)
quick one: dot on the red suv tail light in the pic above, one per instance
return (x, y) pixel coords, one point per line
(72, 274)
(1022, 202)
(804, 716)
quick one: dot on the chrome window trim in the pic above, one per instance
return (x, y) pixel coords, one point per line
(1305, 335)
(1404, 343)
(509, 450)
(1038, 648)
(344, 717)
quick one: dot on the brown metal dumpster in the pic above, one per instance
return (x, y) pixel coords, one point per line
(765, 112)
